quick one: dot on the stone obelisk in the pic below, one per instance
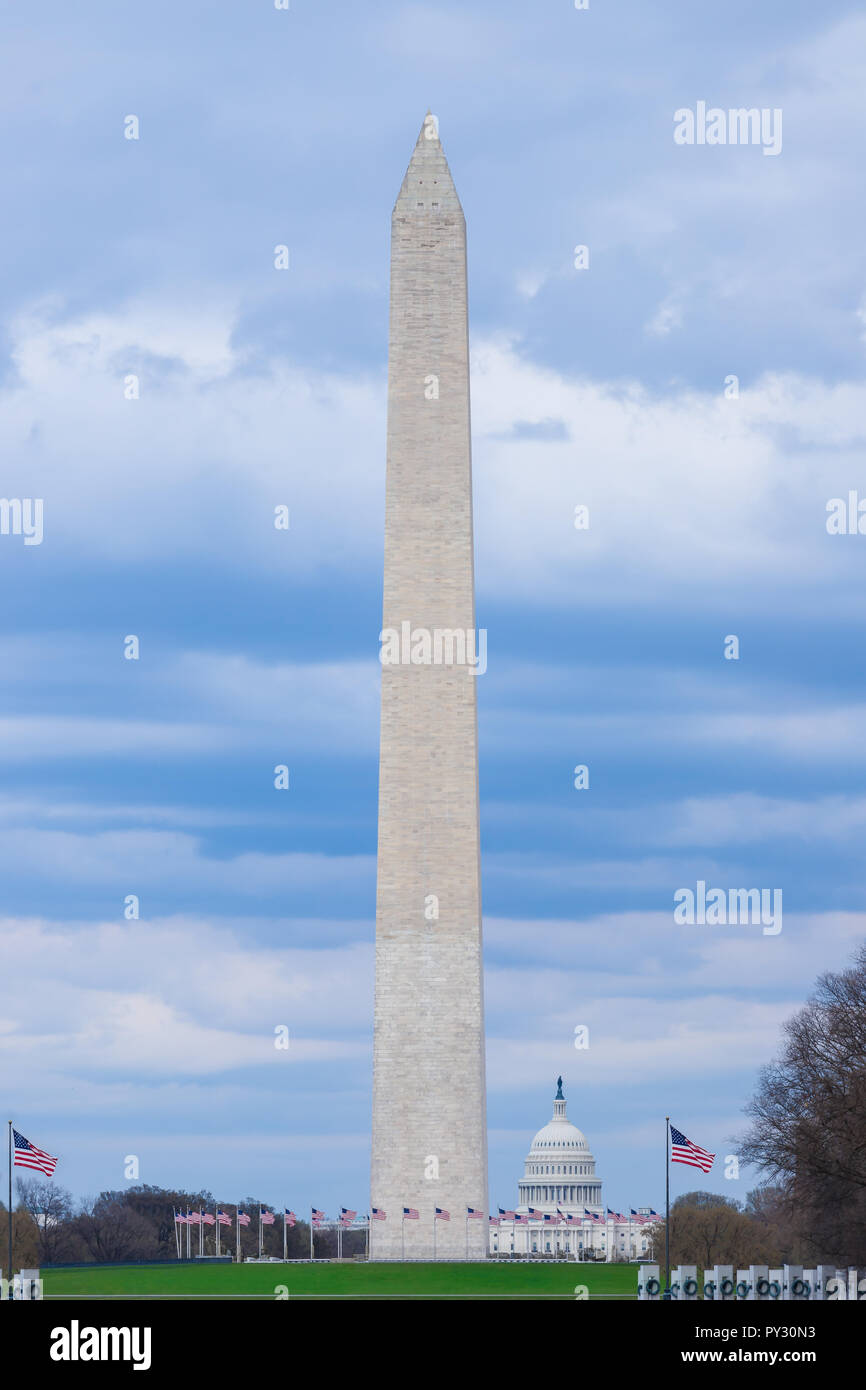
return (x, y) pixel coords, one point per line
(429, 1114)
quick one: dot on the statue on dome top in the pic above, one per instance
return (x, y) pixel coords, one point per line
(559, 1095)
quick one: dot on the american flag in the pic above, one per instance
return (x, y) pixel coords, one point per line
(243, 1219)
(266, 1218)
(347, 1216)
(535, 1215)
(520, 1220)
(472, 1212)
(180, 1218)
(223, 1219)
(684, 1151)
(506, 1215)
(193, 1218)
(207, 1219)
(317, 1216)
(290, 1217)
(378, 1214)
(410, 1214)
(494, 1220)
(442, 1215)
(28, 1156)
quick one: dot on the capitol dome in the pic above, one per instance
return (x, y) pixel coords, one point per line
(560, 1133)
(560, 1170)
(560, 1211)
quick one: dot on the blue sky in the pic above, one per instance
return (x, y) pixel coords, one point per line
(603, 387)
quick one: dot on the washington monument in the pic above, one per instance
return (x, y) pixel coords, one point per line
(429, 1121)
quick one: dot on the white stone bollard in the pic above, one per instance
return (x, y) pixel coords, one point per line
(759, 1279)
(777, 1279)
(795, 1286)
(726, 1287)
(823, 1275)
(649, 1284)
(744, 1284)
(27, 1286)
(687, 1279)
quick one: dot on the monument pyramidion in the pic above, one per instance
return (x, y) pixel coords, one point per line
(429, 1149)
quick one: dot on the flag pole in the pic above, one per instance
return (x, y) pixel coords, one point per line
(667, 1206)
(10, 1209)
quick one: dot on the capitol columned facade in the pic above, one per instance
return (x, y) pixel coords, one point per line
(560, 1209)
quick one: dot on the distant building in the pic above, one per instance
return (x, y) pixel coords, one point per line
(561, 1197)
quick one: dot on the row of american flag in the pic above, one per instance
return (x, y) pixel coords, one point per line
(524, 1218)
(26, 1155)
(266, 1217)
(559, 1216)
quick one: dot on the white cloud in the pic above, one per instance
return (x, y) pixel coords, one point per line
(196, 466)
(691, 482)
(642, 1040)
(211, 1002)
(741, 818)
(137, 860)
(667, 317)
(688, 483)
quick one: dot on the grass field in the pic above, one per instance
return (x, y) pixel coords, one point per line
(341, 1281)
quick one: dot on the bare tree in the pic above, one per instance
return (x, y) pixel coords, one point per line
(808, 1116)
(113, 1232)
(51, 1209)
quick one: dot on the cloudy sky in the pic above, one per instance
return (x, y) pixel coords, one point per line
(604, 387)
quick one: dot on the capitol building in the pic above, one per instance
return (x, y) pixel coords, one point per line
(560, 1209)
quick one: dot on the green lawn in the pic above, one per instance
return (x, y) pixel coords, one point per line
(378, 1281)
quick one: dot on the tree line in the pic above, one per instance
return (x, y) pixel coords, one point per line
(137, 1225)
